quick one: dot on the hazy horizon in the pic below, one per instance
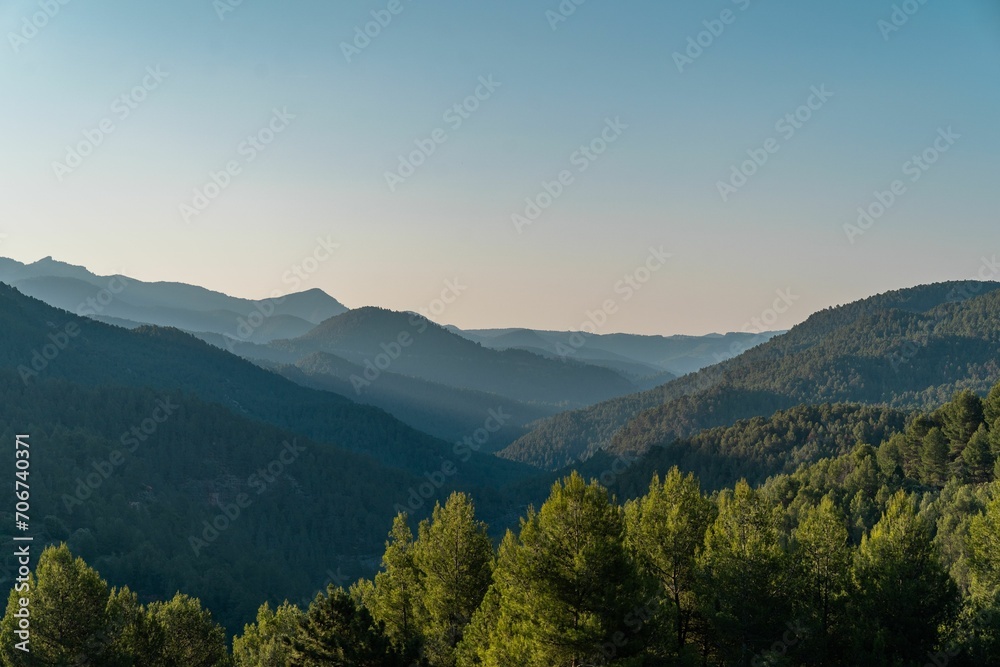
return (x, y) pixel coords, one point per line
(757, 325)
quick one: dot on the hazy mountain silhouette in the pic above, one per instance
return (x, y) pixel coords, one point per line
(125, 301)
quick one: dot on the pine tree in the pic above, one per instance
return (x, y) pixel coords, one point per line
(977, 457)
(991, 406)
(453, 556)
(934, 458)
(337, 632)
(136, 639)
(907, 595)
(394, 597)
(745, 585)
(68, 622)
(960, 418)
(568, 592)
(476, 638)
(666, 530)
(822, 558)
(192, 637)
(983, 543)
(266, 643)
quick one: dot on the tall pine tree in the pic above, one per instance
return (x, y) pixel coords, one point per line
(666, 530)
(569, 594)
(453, 556)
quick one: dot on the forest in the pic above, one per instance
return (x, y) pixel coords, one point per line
(910, 349)
(886, 554)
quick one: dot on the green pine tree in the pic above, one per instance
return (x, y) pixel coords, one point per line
(983, 621)
(192, 637)
(822, 556)
(337, 632)
(991, 406)
(453, 555)
(977, 457)
(68, 604)
(395, 595)
(960, 418)
(906, 594)
(266, 642)
(745, 584)
(665, 531)
(569, 594)
(934, 458)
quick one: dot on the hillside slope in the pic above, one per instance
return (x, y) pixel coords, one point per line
(904, 348)
(383, 340)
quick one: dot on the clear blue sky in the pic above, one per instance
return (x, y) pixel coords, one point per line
(656, 185)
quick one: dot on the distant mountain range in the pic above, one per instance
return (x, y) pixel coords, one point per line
(443, 382)
(630, 354)
(128, 302)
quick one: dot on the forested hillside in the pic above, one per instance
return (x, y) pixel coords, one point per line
(150, 440)
(885, 555)
(446, 412)
(93, 354)
(907, 348)
(169, 465)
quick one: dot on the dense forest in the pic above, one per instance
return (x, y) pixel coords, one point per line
(886, 554)
(910, 348)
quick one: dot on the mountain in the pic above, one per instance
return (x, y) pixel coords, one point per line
(381, 341)
(129, 302)
(146, 434)
(906, 348)
(129, 476)
(640, 356)
(442, 411)
(169, 359)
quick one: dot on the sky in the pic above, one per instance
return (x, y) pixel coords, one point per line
(595, 169)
